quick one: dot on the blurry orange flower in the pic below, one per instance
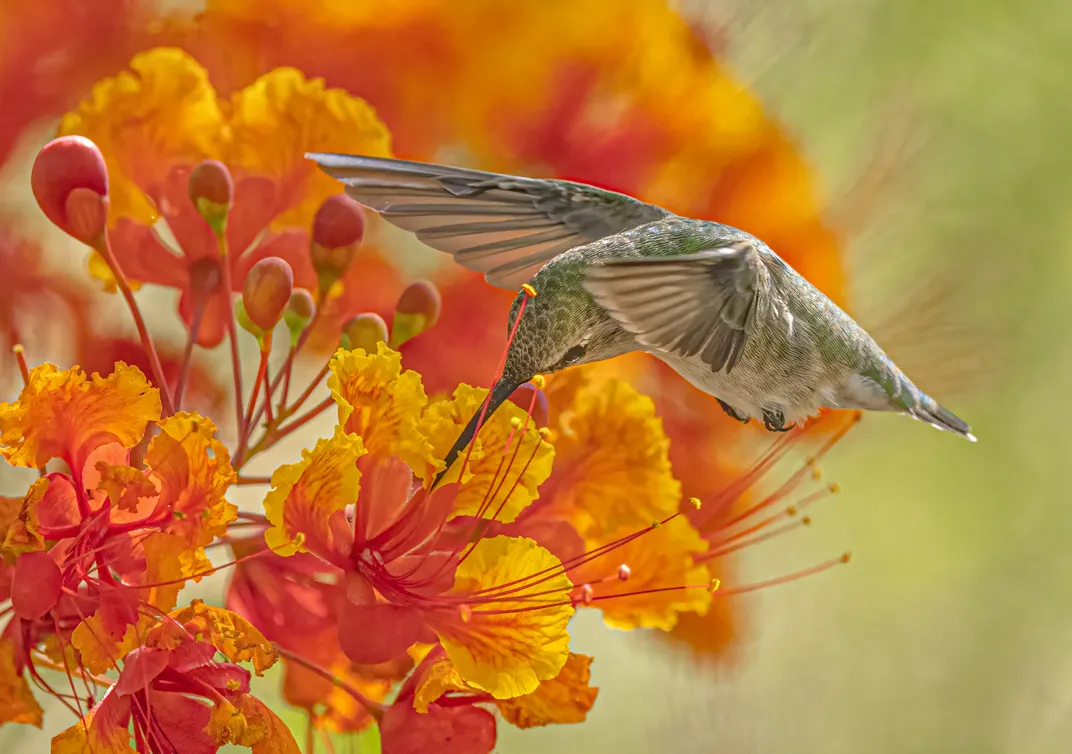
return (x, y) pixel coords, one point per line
(162, 118)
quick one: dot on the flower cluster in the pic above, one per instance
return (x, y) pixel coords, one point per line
(390, 591)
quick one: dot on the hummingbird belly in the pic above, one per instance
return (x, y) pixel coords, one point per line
(751, 390)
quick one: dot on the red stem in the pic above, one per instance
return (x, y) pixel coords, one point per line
(232, 331)
(104, 248)
(187, 354)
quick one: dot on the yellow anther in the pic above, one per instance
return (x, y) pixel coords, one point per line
(817, 473)
(834, 488)
(232, 684)
(696, 502)
(806, 520)
(791, 510)
(715, 584)
(655, 524)
(515, 423)
(529, 290)
(17, 348)
(465, 613)
(846, 557)
(545, 432)
(299, 540)
(538, 382)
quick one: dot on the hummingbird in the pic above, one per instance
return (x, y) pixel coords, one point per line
(612, 274)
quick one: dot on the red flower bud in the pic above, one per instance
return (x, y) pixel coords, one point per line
(418, 309)
(212, 191)
(266, 291)
(35, 585)
(62, 167)
(364, 331)
(337, 231)
(339, 222)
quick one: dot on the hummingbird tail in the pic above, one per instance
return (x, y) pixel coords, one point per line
(941, 418)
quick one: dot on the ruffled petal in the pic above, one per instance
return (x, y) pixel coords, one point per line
(505, 645)
(307, 498)
(66, 414)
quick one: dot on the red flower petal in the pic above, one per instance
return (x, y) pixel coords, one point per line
(140, 667)
(35, 588)
(371, 634)
(457, 730)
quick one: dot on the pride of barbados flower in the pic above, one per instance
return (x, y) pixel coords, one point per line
(371, 572)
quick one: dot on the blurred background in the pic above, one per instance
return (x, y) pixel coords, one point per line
(934, 135)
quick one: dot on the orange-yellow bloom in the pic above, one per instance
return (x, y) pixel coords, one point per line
(193, 470)
(511, 632)
(381, 404)
(510, 459)
(307, 497)
(566, 698)
(67, 414)
(234, 636)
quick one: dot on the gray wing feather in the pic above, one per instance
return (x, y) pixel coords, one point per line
(703, 303)
(504, 226)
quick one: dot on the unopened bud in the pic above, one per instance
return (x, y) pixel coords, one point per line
(70, 183)
(266, 291)
(245, 322)
(365, 331)
(338, 228)
(417, 310)
(299, 313)
(212, 191)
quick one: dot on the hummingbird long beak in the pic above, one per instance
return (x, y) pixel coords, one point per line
(502, 390)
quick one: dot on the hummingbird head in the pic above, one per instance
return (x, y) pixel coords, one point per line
(559, 328)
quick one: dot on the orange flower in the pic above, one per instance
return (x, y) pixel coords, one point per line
(155, 123)
(166, 680)
(65, 414)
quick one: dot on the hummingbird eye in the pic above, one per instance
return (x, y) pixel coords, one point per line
(573, 355)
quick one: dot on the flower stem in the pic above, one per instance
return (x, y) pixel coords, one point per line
(232, 331)
(104, 248)
(271, 436)
(375, 709)
(188, 353)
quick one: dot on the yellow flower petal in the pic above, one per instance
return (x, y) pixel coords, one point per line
(65, 414)
(17, 703)
(304, 496)
(161, 112)
(566, 698)
(612, 462)
(22, 535)
(125, 486)
(228, 632)
(506, 465)
(381, 404)
(507, 646)
(100, 650)
(227, 724)
(281, 116)
(265, 733)
(437, 678)
(658, 559)
(194, 472)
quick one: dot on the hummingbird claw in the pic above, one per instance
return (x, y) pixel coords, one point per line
(732, 412)
(774, 421)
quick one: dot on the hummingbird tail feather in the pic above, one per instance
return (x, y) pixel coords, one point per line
(942, 418)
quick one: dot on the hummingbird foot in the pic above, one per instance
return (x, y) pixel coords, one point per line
(732, 412)
(774, 421)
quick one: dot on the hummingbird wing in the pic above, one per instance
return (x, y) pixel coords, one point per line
(702, 303)
(504, 226)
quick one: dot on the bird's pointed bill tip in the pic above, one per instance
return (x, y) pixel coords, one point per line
(970, 437)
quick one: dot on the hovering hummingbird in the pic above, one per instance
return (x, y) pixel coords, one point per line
(613, 275)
